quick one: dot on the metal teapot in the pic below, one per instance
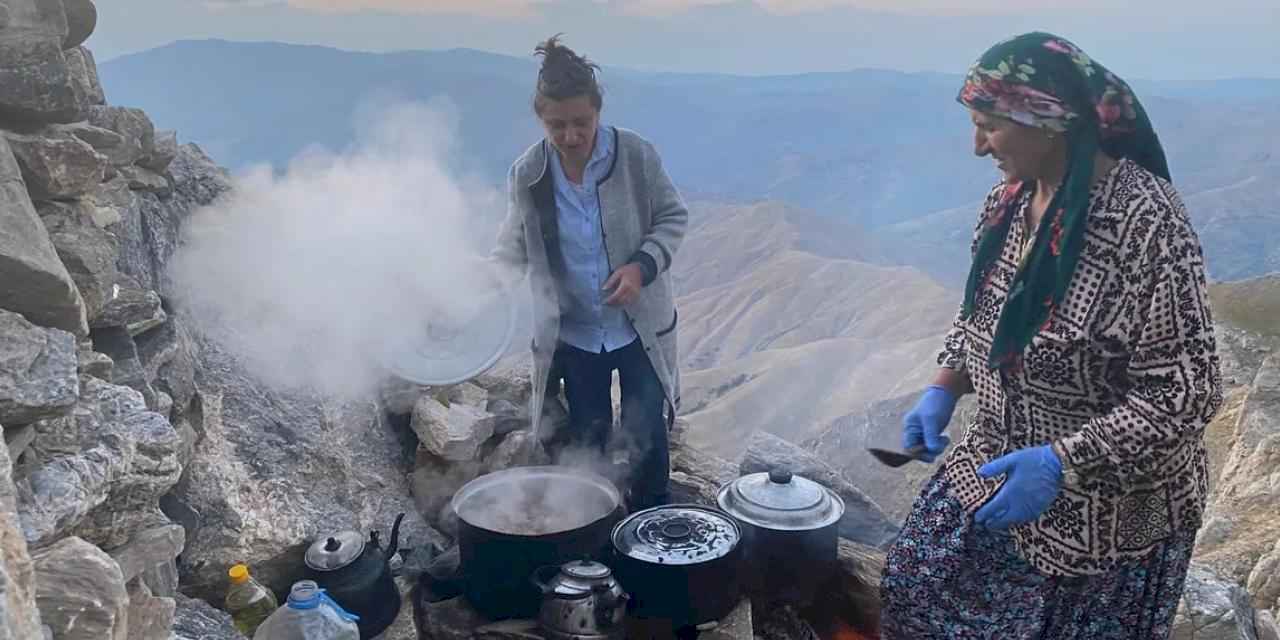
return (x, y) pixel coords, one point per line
(357, 575)
(581, 601)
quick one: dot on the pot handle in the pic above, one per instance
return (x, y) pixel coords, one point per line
(544, 584)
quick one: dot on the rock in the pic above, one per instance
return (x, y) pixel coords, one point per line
(1264, 580)
(106, 465)
(148, 548)
(195, 619)
(168, 357)
(87, 251)
(453, 433)
(450, 619)
(398, 396)
(94, 364)
(272, 471)
(83, 70)
(35, 81)
(516, 449)
(507, 417)
(150, 618)
(80, 593)
(132, 124)
(734, 626)
(863, 519)
(17, 439)
(511, 630)
(166, 149)
(19, 615)
(127, 369)
(469, 394)
(1245, 495)
(57, 167)
(82, 17)
(141, 179)
(1267, 627)
(105, 141)
(1213, 609)
(435, 480)
(128, 306)
(36, 284)
(37, 371)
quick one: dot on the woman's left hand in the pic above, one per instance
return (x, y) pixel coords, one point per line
(625, 283)
(1033, 479)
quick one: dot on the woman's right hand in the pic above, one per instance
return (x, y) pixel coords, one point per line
(925, 423)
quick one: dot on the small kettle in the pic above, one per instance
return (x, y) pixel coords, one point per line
(581, 600)
(357, 575)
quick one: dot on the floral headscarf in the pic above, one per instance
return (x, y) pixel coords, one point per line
(1041, 80)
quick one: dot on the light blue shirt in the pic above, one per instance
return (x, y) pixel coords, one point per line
(586, 322)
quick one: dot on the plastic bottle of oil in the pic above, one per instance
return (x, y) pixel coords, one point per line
(248, 602)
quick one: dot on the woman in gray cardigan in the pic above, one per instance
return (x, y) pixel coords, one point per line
(595, 222)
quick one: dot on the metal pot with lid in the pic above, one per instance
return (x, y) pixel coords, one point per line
(581, 601)
(679, 563)
(357, 575)
(790, 532)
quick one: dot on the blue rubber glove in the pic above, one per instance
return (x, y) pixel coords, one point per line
(1033, 478)
(924, 425)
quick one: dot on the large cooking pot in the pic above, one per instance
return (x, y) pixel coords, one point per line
(357, 575)
(790, 533)
(514, 521)
(679, 563)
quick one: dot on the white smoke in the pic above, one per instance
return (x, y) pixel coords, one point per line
(310, 276)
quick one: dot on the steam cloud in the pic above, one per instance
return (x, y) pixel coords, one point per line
(310, 276)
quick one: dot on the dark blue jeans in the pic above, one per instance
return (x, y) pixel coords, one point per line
(588, 378)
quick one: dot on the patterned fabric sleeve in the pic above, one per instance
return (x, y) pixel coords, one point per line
(1173, 368)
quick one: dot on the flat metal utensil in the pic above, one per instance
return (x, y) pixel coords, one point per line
(896, 459)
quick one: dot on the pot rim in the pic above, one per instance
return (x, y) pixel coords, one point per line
(513, 474)
(728, 518)
(832, 517)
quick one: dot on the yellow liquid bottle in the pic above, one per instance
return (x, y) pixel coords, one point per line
(248, 602)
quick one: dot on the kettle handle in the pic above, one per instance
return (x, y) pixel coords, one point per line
(544, 584)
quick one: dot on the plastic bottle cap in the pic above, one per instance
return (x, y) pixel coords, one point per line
(239, 574)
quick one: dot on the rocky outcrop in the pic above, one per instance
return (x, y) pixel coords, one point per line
(81, 593)
(1213, 609)
(37, 371)
(195, 619)
(1240, 535)
(19, 616)
(36, 83)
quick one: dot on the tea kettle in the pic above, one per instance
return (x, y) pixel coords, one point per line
(581, 601)
(357, 575)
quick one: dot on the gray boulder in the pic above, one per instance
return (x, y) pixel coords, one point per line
(35, 81)
(1213, 609)
(106, 466)
(82, 17)
(83, 70)
(132, 124)
(81, 594)
(272, 471)
(86, 249)
(166, 149)
(58, 166)
(196, 619)
(148, 549)
(864, 521)
(19, 615)
(35, 282)
(150, 617)
(128, 306)
(117, 344)
(37, 371)
(454, 432)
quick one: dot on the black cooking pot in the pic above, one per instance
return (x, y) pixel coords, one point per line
(679, 563)
(512, 522)
(357, 576)
(790, 533)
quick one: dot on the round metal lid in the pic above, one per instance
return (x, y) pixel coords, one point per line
(447, 351)
(780, 500)
(586, 570)
(676, 535)
(334, 551)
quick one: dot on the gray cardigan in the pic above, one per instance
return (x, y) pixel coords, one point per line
(644, 221)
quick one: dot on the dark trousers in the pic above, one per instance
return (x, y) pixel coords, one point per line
(588, 379)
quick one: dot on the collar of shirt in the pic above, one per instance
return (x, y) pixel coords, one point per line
(597, 164)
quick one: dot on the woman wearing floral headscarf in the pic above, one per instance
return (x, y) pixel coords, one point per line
(1069, 507)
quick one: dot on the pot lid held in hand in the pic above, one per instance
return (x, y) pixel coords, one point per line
(676, 535)
(782, 501)
(334, 551)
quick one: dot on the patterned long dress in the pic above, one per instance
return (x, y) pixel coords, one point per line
(1124, 377)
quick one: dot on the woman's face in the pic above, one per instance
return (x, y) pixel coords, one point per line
(1022, 153)
(571, 127)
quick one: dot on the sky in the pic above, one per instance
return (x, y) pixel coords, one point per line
(1151, 39)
